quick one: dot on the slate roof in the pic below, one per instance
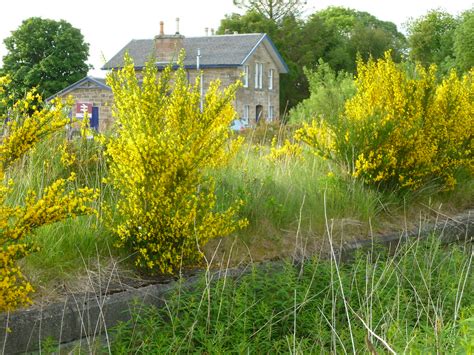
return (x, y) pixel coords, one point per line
(216, 51)
(99, 82)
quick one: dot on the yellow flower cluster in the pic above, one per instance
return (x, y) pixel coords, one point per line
(158, 158)
(68, 158)
(14, 291)
(25, 126)
(320, 136)
(403, 128)
(284, 152)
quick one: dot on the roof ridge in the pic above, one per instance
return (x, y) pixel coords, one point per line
(229, 35)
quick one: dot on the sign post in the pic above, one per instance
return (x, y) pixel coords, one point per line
(82, 108)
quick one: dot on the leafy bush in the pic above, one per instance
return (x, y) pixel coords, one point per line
(401, 130)
(21, 131)
(158, 160)
(328, 93)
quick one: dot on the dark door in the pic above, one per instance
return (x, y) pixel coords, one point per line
(258, 113)
(94, 120)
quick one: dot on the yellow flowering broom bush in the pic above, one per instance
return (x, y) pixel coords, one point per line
(401, 130)
(20, 132)
(158, 158)
(284, 152)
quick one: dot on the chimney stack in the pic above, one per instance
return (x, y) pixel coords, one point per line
(206, 30)
(212, 31)
(167, 47)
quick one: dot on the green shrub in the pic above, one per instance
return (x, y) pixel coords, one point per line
(328, 93)
(158, 159)
(401, 131)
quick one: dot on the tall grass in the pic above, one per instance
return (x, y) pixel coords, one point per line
(283, 202)
(419, 300)
(274, 192)
(64, 248)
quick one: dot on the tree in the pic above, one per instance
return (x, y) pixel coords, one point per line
(336, 35)
(464, 41)
(274, 10)
(431, 39)
(46, 54)
(250, 22)
(357, 33)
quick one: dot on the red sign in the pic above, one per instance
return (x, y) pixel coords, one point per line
(82, 108)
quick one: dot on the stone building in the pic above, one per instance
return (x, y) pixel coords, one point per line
(252, 58)
(91, 95)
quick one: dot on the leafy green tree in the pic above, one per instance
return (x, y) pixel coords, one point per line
(431, 39)
(464, 41)
(357, 33)
(46, 54)
(274, 10)
(336, 35)
(250, 22)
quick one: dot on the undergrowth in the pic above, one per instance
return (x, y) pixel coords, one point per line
(419, 300)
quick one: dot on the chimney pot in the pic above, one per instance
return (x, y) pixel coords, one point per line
(212, 32)
(206, 30)
(177, 25)
(162, 29)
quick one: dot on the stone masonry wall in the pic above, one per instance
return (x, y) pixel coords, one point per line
(250, 95)
(264, 97)
(101, 98)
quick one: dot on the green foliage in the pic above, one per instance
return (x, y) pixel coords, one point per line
(337, 35)
(274, 10)
(25, 128)
(413, 300)
(46, 54)
(286, 194)
(464, 41)
(431, 39)
(400, 130)
(328, 93)
(357, 33)
(159, 156)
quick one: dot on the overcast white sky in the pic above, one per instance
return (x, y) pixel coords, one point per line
(107, 26)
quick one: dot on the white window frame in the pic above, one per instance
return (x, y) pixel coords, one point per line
(245, 117)
(270, 79)
(258, 75)
(271, 113)
(246, 76)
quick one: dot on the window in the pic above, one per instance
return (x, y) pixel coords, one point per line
(245, 117)
(246, 76)
(270, 113)
(258, 75)
(270, 79)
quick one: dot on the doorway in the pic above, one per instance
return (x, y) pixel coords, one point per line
(94, 120)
